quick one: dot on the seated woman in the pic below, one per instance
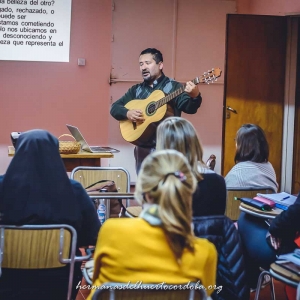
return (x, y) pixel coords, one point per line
(251, 157)
(36, 190)
(210, 195)
(159, 245)
(263, 243)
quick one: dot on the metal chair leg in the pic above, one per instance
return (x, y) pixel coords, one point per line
(259, 285)
(298, 292)
(272, 288)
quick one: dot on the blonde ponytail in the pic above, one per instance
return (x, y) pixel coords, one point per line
(167, 178)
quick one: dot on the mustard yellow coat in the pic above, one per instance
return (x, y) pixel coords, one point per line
(133, 250)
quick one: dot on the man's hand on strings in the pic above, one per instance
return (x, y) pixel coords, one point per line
(191, 89)
(135, 115)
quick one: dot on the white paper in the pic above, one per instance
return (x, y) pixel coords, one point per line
(280, 198)
(292, 257)
(35, 30)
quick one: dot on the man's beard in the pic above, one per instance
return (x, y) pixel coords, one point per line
(147, 77)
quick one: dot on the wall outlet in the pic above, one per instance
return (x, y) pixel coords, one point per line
(81, 61)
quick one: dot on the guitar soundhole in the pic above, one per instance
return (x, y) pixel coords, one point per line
(151, 109)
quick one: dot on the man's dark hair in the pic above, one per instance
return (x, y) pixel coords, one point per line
(157, 56)
(251, 144)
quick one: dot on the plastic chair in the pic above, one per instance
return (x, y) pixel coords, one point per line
(124, 291)
(133, 211)
(232, 206)
(39, 247)
(89, 175)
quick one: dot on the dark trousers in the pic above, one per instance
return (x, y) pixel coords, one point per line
(139, 155)
(257, 252)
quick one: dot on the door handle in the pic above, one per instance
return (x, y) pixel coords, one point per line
(231, 109)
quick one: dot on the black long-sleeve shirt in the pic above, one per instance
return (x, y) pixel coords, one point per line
(287, 224)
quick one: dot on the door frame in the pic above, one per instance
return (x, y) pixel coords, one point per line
(289, 105)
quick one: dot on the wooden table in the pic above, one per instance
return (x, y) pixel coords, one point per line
(72, 161)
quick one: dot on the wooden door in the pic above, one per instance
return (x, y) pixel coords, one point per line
(254, 82)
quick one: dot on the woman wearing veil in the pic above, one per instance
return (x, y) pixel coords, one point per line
(36, 190)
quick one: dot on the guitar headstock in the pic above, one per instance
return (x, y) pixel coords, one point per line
(209, 76)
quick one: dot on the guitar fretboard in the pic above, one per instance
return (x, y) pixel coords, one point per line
(173, 95)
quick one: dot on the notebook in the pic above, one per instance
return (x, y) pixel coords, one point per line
(84, 145)
(265, 200)
(289, 266)
(282, 198)
(292, 257)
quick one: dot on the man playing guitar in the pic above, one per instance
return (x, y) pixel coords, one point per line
(151, 67)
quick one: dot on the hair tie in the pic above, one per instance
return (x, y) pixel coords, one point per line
(177, 174)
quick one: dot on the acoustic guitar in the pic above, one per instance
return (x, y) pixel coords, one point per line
(154, 109)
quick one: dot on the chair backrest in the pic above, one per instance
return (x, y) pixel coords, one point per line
(38, 247)
(89, 175)
(124, 291)
(232, 206)
(231, 274)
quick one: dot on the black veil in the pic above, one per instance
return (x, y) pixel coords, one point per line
(36, 188)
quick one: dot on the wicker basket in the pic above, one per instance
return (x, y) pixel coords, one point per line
(68, 147)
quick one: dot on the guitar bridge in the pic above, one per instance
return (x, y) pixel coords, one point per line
(134, 125)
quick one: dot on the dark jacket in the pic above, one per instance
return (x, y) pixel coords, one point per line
(231, 274)
(286, 226)
(210, 196)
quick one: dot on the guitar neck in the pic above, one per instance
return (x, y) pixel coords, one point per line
(173, 95)
(207, 77)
